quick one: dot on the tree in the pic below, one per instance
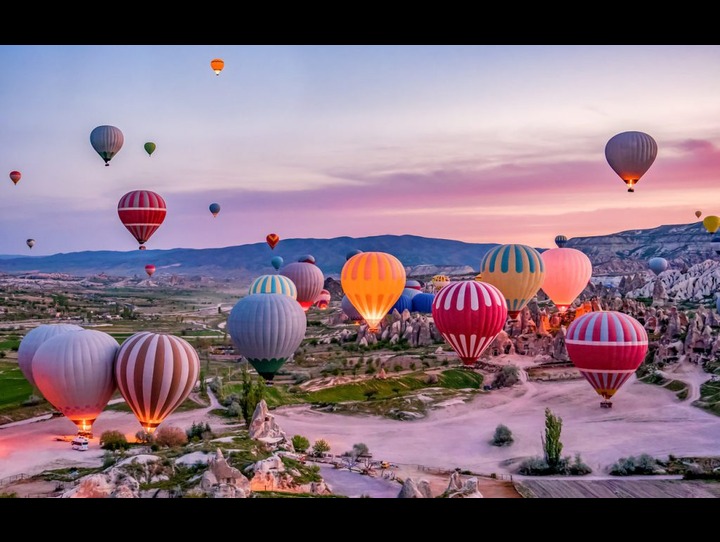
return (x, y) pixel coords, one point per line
(320, 447)
(172, 437)
(551, 441)
(252, 391)
(503, 436)
(300, 443)
(113, 440)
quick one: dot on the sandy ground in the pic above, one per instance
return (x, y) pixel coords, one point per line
(644, 419)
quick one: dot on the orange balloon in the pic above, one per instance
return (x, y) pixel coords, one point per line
(567, 272)
(373, 282)
(217, 64)
(272, 240)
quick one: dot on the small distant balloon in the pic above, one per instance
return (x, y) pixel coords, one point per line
(561, 241)
(277, 262)
(698, 214)
(217, 64)
(351, 254)
(150, 147)
(630, 155)
(15, 176)
(272, 240)
(30, 242)
(214, 208)
(107, 141)
(658, 265)
(150, 269)
(308, 258)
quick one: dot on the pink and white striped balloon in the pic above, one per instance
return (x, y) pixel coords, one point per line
(469, 314)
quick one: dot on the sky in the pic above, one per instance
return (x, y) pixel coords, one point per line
(478, 143)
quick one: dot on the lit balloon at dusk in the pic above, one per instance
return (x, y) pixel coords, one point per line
(567, 273)
(630, 155)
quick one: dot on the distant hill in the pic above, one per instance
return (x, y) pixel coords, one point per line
(683, 245)
(443, 255)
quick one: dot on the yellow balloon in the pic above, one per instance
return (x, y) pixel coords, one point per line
(373, 282)
(517, 271)
(440, 281)
(711, 223)
(567, 272)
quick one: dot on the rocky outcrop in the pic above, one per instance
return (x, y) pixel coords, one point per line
(462, 489)
(222, 480)
(412, 490)
(264, 428)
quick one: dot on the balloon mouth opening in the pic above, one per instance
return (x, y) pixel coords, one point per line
(562, 308)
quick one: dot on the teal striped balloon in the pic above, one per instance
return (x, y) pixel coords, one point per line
(274, 284)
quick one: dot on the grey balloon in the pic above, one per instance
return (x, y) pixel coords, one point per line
(107, 141)
(267, 329)
(32, 341)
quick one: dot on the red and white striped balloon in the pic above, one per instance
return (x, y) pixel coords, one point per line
(155, 373)
(469, 314)
(607, 347)
(142, 212)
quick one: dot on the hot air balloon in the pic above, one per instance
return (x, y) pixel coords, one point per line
(517, 271)
(272, 240)
(350, 311)
(267, 330)
(414, 284)
(30, 242)
(422, 303)
(439, 282)
(323, 300)
(567, 272)
(469, 314)
(711, 223)
(217, 65)
(308, 279)
(560, 241)
(403, 302)
(142, 212)
(277, 262)
(107, 141)
(309, 258)
(149, 147)
(698, 214)
(630, 155)
(351, 254)
(74, 372)
(273, 284)
(214, 208)
(410, 292)
(32, 341)
(155, 373)
(15, 176)
(607, 347)
(373, 281)
(657, 265)
(150, 269)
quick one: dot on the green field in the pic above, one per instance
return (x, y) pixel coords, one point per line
(14, 387)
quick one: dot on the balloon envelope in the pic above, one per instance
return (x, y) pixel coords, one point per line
(217, 65)
(273, 284)
(214, 208)
(698, 214)
(440, 281)
(422, 303)
(155, 373)
(351, 254)
(74, 372)
(15, 176)
(308, 258)
(267, 330)
(308, 279)
(277, 262)
(107, 141)
(630, 155)
(142, 212)
(561, 241)
(149, 147)
(350, 311)
(658, 265)
(32, 341)
(272, 240)
(150, 269)
(469, 314)
(517, 271)
(711, 223)
(373, 281)
(404, 302)
(567, 272)
(607, 347)
(30, 243)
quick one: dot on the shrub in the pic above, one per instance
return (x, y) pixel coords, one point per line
(199, 431)
(626, 466)
(171, 437)
(300, 443)
(143, 437)
(320, 447)
(432, 379)
(507, 377)
(503, 436)
(113, 440)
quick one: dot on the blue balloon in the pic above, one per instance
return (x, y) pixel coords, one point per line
(352, 253)
(560, 241)
(423, 303)
(658, 265)
(403, 302)
(277, 262)
(214, 208)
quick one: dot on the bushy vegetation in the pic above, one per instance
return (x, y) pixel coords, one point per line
(320, 447)
(170, 437)
(508, 376)
(199, 431)
(503, 436)
(113, 440)
(642, 464)
(300, 443)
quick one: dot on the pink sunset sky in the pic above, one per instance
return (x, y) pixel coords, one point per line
(485, 143)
